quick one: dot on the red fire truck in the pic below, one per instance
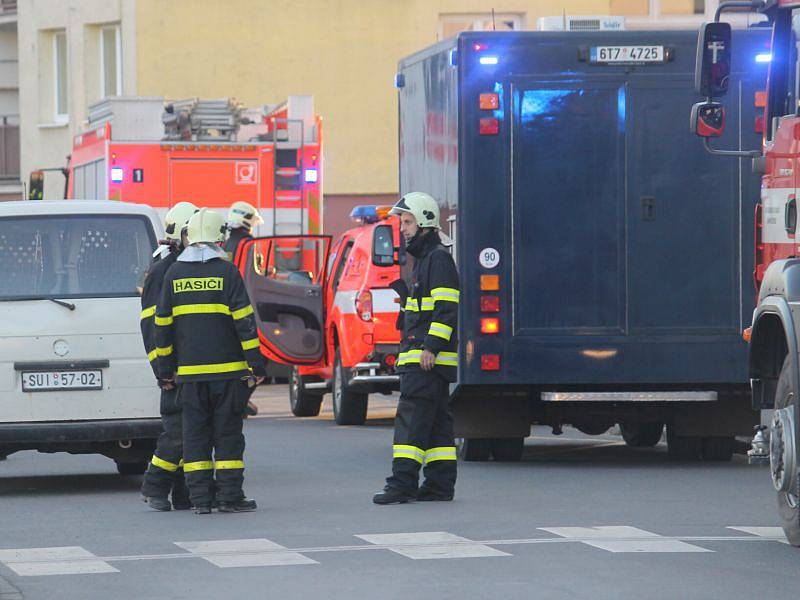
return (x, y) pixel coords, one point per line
(329, 311)
(774, 363)
(209, 152)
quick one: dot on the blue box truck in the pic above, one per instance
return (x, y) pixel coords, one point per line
(605, 257)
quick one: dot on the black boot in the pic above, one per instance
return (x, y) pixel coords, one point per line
(243, 505)
(181, 503)
(391, 495)
(156, 503)
(427, 494)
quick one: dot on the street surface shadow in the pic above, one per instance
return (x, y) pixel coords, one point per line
(69, 484)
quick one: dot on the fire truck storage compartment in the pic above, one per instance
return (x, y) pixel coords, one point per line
(624, 250)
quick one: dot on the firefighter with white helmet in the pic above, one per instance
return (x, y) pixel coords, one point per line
(164, 472)
(242, 217)
(208, 344)
(427, 363)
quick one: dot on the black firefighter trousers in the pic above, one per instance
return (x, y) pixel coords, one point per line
(213, 442)
(165, 472)
(423, 435)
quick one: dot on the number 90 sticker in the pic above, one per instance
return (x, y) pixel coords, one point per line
(489, 258)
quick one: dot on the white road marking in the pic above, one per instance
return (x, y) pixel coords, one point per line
(261, 552)
(258, 552)
(624, 539)
(767, 532)
(427, 545)
(64, 560)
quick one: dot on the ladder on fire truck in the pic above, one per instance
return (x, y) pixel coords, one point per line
(289, 193)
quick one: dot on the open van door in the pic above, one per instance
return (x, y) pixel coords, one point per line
(285, 278)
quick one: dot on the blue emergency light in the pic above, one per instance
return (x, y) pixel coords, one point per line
(117, 174)
(763, 58)
(488, 60)
(311, 176)
(365, 214)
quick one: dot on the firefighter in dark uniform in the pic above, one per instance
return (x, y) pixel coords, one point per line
(242, 217)
(427, 362)
(165, 472)
(207, 342)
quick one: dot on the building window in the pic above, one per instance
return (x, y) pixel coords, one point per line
(451, 25)
(60, 73)
(110, 62)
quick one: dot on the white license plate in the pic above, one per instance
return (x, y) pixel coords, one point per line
(46, 381)
(627, 54)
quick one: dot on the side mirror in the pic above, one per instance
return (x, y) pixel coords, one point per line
(36, 185)
(708, 119)
(713, 64)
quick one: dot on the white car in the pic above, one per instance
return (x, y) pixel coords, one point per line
(74, 376)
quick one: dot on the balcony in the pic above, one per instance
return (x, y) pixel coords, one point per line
(9, 149)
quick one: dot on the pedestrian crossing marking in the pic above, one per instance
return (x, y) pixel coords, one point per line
(261, 552)
(768, 532)
(623, 539)
(257, 552)
(428, 545)
(63, 560)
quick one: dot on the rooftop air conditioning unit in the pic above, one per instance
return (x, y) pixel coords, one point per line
(596, 23)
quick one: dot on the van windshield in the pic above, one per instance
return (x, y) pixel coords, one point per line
(74, 256)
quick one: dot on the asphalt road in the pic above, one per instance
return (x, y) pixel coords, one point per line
(578, 518)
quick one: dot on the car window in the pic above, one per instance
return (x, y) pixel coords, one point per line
(342, 263)
(74, 256)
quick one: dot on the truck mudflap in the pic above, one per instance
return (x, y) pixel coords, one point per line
(79, 431)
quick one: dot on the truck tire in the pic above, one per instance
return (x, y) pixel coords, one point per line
(684, 448)
(508, 449)
(303, 403)
(719, 449)
(641, 434)
(788, 503)
(131, 468)
(349, 408)
(474, 449)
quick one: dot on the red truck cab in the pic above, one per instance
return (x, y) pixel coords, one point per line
(329, 311)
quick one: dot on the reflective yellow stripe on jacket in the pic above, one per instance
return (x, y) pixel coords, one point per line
(214, 368)
(440, 330)
(445, 294)
(148, 312)
(425, 304)
(447, 359)
(229, 464)
(250, 344)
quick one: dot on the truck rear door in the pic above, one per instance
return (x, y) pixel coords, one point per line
(285, 276)
(567, 207)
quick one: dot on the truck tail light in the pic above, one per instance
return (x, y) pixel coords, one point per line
(490, 283)
(489, 126)
(490, 304)
(390, 360)
(490, 362)
(490, 325)
(489, 101)
(364, 305)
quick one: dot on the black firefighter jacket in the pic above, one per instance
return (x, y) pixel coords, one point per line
(430, 312)
(206, 329)
(151, 293)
